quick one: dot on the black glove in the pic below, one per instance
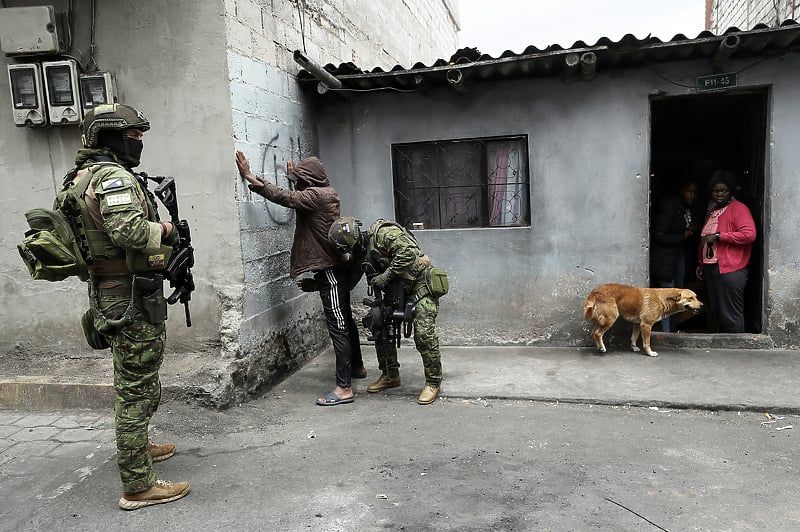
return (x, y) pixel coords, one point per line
(307, 284)
(381, 280)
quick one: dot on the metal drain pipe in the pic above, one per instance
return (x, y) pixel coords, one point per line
(571, 62)
(588, 65)
(456, 80)
(326, 79)
(727, 46)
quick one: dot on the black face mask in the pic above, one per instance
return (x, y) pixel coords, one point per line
(133, 151)
(127, 149)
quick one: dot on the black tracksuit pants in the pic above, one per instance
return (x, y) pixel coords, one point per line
(335, 294)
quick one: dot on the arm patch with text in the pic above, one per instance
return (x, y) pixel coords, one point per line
(119, 198)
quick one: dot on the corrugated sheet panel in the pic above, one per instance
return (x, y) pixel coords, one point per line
(628, 52)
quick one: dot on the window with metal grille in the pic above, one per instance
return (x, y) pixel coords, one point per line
(462, 183)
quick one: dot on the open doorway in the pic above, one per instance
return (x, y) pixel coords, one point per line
(692, 137)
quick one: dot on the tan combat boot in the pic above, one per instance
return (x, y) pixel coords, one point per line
(428, 394)
(383, 383)
(160, 451)
(159, 493)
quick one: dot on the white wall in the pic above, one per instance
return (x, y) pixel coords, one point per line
(744, 14)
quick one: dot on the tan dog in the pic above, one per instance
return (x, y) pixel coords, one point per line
(644, 306)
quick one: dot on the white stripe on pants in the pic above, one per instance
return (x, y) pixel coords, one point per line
(337, 310)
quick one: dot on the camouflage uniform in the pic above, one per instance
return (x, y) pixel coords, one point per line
(118, 204)
(392, 248)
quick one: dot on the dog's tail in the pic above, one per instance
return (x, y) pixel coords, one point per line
(588, 307)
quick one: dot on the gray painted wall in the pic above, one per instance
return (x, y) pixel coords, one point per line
(588, 148)
(184, 94)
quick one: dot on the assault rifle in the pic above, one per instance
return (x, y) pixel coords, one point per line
(179, 267)
(390, 317)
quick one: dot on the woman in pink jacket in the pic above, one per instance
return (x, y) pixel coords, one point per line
(725, 245)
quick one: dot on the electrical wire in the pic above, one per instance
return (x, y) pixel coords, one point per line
(669, 80)
(754, 63)
(301, 7)
(69, 27)
(372, 90)
(73, 58)
(91, 63)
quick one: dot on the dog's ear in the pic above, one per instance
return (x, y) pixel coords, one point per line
(675, 297)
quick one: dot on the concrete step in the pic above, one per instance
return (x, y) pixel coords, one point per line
(41, 393)
(85, 380)
(712, 341)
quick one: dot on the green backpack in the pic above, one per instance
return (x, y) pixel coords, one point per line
(50, 249)
(58, 244)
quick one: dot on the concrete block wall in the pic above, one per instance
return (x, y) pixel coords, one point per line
(273, 123)
(744, 14)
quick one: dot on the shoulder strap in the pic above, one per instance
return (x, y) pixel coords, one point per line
(386, 223)
(380, 224)
(83, 184)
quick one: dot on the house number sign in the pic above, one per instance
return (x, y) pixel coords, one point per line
(716, 82)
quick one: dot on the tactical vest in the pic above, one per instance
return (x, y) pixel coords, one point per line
(94, 242)
(380, 259)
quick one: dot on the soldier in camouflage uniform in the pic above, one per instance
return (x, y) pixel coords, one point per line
(388, 251)
(119, 221)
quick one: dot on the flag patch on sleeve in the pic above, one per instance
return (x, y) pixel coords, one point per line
(112, 184)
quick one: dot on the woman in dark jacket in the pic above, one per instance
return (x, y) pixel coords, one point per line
(673, 225)
(724, 254)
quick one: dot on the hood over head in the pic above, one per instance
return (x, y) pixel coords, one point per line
(310, 173)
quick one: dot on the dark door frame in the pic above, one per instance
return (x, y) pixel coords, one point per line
(761, 179)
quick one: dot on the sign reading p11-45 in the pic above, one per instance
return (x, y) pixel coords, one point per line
(716, 82)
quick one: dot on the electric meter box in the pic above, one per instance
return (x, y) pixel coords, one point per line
(96, 89)
(61, 87)
(27, 95)
(29, 30)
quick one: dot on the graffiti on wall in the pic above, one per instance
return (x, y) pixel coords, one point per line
(277, 175)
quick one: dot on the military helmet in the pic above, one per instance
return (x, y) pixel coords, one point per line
(114, 116)
(345, 233)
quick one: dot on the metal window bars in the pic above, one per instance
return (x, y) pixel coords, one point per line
(462, 183)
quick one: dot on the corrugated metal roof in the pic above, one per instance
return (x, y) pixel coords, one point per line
(628, 52)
